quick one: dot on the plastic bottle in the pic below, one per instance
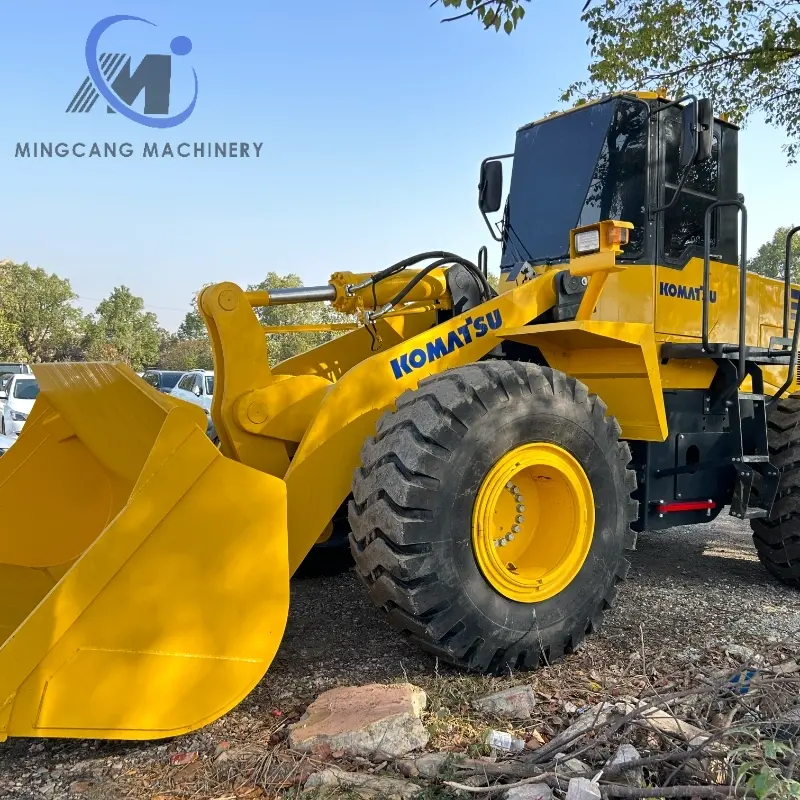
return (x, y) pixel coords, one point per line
(500, 740)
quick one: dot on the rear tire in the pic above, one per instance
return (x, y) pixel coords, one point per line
(777, 537)
(412, 526)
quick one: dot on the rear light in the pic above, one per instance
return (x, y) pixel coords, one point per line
(689, 505)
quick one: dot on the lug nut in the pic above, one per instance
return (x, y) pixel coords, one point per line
(502, 543)
(520, 518)
(515, 529)
(509, 485)
(510, 537)
(520, 509)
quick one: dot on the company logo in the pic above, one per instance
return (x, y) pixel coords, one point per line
(685, 292)
(112, 76)
(442, 346)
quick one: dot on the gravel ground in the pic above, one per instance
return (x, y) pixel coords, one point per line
(695, 598)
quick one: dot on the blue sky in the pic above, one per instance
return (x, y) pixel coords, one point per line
(373, 116)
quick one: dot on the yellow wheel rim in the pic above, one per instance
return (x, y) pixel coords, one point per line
(533, 522)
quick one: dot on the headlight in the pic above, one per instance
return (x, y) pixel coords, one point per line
(18, 416)
(587, 241)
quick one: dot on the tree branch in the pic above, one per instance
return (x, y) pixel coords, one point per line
(742, 56)
(473, 10)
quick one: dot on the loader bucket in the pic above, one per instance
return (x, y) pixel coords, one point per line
(144, 578)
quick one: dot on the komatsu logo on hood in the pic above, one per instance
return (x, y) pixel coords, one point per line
(443, 346)
(685, 292)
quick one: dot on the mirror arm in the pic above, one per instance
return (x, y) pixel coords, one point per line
(674, 103)
(492, 232)
(695, 149)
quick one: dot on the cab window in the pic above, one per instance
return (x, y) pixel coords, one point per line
(618, 186)
(186, 382)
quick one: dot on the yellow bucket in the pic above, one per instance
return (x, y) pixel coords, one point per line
(144, 577)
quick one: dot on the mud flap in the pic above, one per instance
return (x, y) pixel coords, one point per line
(144, 581)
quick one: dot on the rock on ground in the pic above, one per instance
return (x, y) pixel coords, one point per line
(626, 753)
(375, 721)
(428, 765)
(516, 702)
(575, 766)
(531, 791)
(364, 785)
(583, 789)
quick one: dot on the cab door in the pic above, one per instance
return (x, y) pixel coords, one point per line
(680, 232)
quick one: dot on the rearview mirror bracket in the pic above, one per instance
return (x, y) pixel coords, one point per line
(697, 128)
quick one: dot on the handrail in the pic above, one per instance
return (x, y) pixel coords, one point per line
(787, 280)
(787, 283)
(742, 368)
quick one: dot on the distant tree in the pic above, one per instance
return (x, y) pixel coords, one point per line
(193, 326)
(771, 256)
(121, 330)
(186, 354)
(494, 281)
(37, 317)
(285, 345)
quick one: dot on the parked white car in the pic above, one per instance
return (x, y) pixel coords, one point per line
(197, 387)
(19, 396)
(5, 443)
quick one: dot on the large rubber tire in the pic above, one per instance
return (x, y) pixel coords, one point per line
(413, 496)
(777, 538)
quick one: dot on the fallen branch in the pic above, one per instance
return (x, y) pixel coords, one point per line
(499, 787)
(618, 790)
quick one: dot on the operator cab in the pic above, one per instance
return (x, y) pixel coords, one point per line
(624, 157)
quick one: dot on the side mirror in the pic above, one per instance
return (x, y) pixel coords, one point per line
(490, 188)
(697, 133)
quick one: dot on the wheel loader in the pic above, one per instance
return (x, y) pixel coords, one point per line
(493, 454)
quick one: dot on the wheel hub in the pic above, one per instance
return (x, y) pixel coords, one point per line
(533, 522)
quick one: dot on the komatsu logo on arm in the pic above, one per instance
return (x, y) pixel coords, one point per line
(685, 292)
(443, 346)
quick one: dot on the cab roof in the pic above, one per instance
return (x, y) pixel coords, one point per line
(659, 96)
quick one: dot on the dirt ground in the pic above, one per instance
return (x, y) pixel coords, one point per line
(696, 599)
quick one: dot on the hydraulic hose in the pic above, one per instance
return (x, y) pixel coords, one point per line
(449, 259)
(443, 257)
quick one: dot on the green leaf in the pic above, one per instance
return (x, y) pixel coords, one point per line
(508, 26)
(771, 749)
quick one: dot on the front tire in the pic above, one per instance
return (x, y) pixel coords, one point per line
(777, 537)
(429, 511)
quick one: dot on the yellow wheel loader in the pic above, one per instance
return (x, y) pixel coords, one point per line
(496, 453)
